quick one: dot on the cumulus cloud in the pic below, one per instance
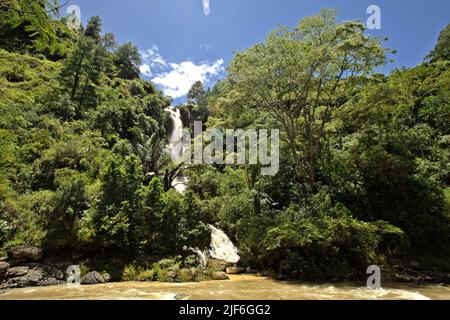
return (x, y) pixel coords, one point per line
(175, 79)
(177, 82)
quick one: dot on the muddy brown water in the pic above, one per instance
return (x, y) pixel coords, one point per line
(241, 287)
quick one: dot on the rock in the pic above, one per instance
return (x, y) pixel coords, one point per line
(106, 276)
(17, 272)
(4, 266)
(92, 278)
(25, 253)
(32, 278)
(218, 264)
(235, 270)
(219, 275)
(46, 270)
(3, 259)
(51, 282)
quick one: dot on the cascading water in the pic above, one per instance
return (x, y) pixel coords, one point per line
(221, 246)
(174, 147)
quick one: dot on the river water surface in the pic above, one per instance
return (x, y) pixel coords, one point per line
(243, 287)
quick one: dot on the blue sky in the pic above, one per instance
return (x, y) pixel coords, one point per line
(181, 44)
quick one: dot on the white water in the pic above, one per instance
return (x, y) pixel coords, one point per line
(175, 145)
(221, 246)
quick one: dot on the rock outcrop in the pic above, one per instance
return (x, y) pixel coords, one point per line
(92, 278)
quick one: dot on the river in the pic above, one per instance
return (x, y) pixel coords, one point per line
(240, 287)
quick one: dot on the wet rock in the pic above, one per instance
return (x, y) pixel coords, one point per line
(17, 272)
(235, 270)
(4, 266)
(218, 264)
(25, 253)
(219, 275)
(92, 278)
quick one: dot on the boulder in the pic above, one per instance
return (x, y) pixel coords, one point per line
(4, 266)
(25, 253)
(235, 270)
(218, 264)
(17, 272)
(219, 275)
(92, 278)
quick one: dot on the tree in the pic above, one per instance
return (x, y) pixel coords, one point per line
(93, 29)
(127, 60)
(442, 49)
(83, 69)
(24, 21)
(301, 76)
(197, 94)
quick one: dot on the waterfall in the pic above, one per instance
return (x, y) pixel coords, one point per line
(174, 146)
(221, 246)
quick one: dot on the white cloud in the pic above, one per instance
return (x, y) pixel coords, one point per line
(177, 82)
(175, 79)
(145, 70)
(152, 58)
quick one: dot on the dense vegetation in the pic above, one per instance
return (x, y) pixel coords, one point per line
(82, 138)
(364, 175)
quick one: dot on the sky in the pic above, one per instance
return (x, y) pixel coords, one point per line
(182, 41)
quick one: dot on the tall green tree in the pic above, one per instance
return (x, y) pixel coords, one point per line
(302, 76)
(127, 60)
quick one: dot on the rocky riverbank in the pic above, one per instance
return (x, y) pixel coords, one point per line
(27, 266)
